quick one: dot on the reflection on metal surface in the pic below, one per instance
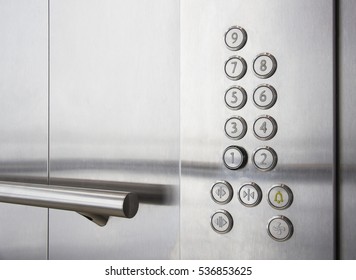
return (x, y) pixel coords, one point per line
(148, 193)
(114, 117)
(98, 202)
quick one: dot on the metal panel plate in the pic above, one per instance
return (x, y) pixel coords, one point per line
(347, 128)
(115, 123)
(23, 122)
(299, 35)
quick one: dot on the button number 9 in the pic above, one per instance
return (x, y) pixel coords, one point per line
(234, 37)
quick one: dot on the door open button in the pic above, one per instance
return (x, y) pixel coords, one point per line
(221, 192)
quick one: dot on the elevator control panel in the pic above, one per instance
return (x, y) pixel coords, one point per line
(264, 128)
(256, 129)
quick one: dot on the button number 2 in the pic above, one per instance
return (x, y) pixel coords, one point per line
(263, 161)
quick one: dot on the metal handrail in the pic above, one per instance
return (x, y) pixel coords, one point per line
(96, 205)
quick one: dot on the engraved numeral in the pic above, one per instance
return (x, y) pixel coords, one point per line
(263, 161)
(234, 96)
(235, 65)
(264, 127)
(263, 66)
(234, 37)
(232, 157)
(263, 97)
(234, 127)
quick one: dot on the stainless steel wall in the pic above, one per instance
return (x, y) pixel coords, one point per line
(108, 118)
(114, 122)
(23, 122)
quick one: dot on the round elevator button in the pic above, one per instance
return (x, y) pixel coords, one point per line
(235, 38)
(265, 127)
(264, 65)
(250, 194)
(221, 221)
(235, 98)
(221, 192)
(265, 158)
(235, 68)
(280, 197)
(235, 128)
(234, 157)
(280, 228)
(264, 96)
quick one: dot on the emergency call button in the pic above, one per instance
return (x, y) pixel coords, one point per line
(280, 197)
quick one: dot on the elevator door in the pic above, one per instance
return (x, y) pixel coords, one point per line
(114, 123)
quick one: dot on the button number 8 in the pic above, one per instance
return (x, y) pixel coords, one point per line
(263, 65)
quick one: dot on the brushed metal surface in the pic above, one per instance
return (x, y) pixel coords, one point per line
(299, 35)
(347, 95)
(100, 202)
(23, 122)
(115, 118)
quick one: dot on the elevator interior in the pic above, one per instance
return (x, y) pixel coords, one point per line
(231, 121)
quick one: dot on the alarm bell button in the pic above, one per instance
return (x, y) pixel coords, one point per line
(280, 197)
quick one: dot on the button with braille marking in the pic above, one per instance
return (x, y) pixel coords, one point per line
(235, 68)
(265, 127)
(235, 38)
(234, 157)
(221, 192)
(264, 65)
(221, 221)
